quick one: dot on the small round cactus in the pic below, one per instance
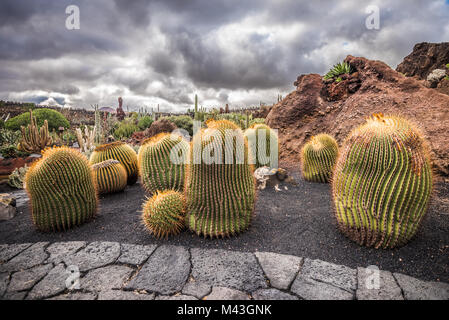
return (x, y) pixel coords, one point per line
(110, 176)
(61, 186)
(260, 143)
(119, 151)
(164, 213)
(382, 182)
(318, 157)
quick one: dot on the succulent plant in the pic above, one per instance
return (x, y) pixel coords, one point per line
(118, 151)
(17, 177)
(163, 214)
(62, 189)
(260, 138)
(318, 157)
(110, 176)
(382, 182)
(220, 195)
(161, 162)
(338, 69)
(34, 139)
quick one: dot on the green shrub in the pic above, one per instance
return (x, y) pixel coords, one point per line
(55, 119)
(257, 121)
(145, 122)
(183, 122)
(2, 123)
(9, 137)
(11, 151)
(338, 69)
(125, 129)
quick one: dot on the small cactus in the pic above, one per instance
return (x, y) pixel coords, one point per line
(163, 214)
(161, 162)
(61, 186)
(34, 139)
(110, 176)
(260, 142)
(118, 151)
(318, 157)
(382, 182)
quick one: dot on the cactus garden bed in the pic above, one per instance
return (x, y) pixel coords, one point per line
(297, 221)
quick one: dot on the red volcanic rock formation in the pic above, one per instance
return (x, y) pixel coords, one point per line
(326, 106)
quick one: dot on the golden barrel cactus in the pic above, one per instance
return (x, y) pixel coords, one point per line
(61, 186)
(263, 145)
(110, 176)
(318, 157)
(382, 182)
(119, 151)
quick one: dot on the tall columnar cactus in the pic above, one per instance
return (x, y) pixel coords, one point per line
(35, 139)
(382, 182)
(110, 176)
(61, 186)
(318, 157)
(161, 162)
(164, 213)
(118, 151)
(220, 192)
(263, 145)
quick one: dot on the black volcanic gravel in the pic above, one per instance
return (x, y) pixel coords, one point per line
(298, 221)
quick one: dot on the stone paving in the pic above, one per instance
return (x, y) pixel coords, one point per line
(113, 271)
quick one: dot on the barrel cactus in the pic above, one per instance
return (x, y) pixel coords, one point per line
(382, 182)
(61, 186)
(220, 194)
(110, 176)
(318, 157)
(161, 162)
(118, 151)
(164, 213)
(263, 145)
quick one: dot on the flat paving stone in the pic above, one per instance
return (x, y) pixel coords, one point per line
(14, 295)
(4, 280)
(176, 297)
(28, 258)
(7, 251)
(231, 269)
(135, 254)
(124, 295)
(310, 289)
(337, 275)
(415, 289)
(96, 254)
(222, 293)
(106, 278)
(197, 289)
(25, 280)
(272, 294)
(75, 296)
(280, 269)
(387, 289)
(61, 250)
(165, 272)
(52, 284)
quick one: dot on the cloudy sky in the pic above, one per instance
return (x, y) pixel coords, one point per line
(162, 52)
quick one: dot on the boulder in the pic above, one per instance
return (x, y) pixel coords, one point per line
(7, 206)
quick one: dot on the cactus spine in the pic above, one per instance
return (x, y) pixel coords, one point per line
(163, 214)
(62, 190)
(110, 176)
(382, 182)
(34, 139)
(318, 157)
(263, 145)
(220, 195)
(118, 151)
(161, 162)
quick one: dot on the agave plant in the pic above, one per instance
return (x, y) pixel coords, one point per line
(338, 69)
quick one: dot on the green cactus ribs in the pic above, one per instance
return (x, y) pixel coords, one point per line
(163, 214)
(318, 157)
(382, 182)
(119, 151)
(263, 145)
(161, 162)
(220, 196)
(62, 190)
(110, 176)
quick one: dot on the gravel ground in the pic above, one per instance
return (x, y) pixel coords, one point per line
(298, 221)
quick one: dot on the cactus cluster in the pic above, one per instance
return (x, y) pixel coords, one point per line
(163, 214)
(220, 197)
(161, 162)
(119, 151)
(263, 145)
(110, 176)
(34, 139)
(62, 190)
(318, 157)
(382, 182)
